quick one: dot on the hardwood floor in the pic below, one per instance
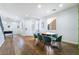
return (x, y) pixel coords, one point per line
(21, 45)
(7, 48)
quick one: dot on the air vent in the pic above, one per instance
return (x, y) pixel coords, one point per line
(53, 9)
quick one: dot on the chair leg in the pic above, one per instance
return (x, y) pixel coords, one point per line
(36, 41)
(49, 50)
(58, 44)
(52, 43)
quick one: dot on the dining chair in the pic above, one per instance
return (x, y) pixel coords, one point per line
(57, 42)
(36, 39)
(47, 40)
(39, 36)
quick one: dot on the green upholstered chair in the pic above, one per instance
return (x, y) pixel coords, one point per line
(48, 34)
(39, 36)
(36, 39)
(57, 42)
(35, 36)
(47, 40)
(59, 39)
(55, 35)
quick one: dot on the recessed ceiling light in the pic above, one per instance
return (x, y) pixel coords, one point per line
(60, 5)
(39, 6)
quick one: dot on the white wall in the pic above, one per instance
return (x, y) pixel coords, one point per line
(33, 26)
(66, 24)
(29, 26)
(43, 25)
(13, 26)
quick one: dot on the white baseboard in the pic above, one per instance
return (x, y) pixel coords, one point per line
(72, 42)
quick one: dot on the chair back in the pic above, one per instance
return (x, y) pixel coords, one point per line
(59, 39)
(35, 36)
(48, 34)
(47, 40)
(39, 36)
(55, 35)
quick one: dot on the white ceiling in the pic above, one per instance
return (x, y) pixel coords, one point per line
(22, 10)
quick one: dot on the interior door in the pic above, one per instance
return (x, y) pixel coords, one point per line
(28, 28)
